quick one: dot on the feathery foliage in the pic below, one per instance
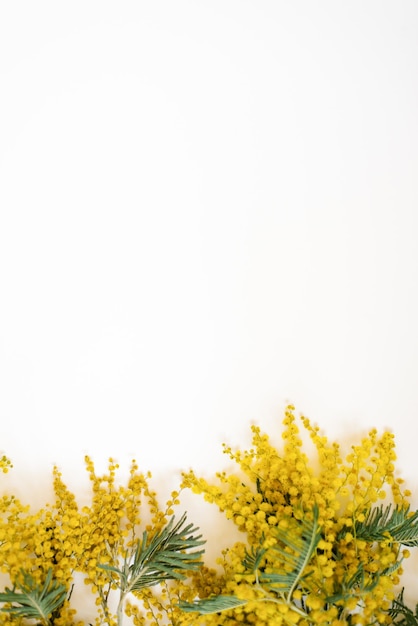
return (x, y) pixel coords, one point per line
(381, 523)
(215, 604)
(316, 546)
(401, 614)
(34, 601)
(294, 551)
(161, 557)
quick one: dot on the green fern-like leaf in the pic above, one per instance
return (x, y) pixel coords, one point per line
(401, 614)
(164, 556)
(295, 551)
(34, 601)
(302, 546)
(383, 522)
(253, 559)
(216, 604)
(355, 585)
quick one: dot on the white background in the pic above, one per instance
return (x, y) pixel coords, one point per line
(207, 210)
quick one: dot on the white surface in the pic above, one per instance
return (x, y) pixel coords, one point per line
(208, 209)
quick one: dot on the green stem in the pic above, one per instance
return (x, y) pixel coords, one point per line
(119, 612)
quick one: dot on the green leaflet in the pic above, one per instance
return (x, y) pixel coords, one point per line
(34, 601)
(161, 557)
(383, 522)
(215, 604)
(401, 614)
(302, 548)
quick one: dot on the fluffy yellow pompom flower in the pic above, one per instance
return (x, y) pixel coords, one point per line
(350, 567)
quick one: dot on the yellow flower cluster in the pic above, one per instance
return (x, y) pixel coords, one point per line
(110, 527)
(351, 580)
(295, 510)
(161, 606)
(66, 539)
(5, 464)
